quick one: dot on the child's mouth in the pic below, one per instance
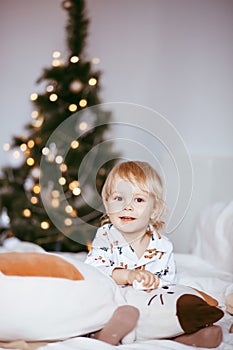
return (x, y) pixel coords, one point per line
(126, 218)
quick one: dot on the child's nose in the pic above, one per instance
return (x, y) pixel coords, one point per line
(129, 205)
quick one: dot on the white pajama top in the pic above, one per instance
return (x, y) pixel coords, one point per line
(110, 250)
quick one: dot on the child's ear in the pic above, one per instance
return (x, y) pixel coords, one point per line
(154, 214)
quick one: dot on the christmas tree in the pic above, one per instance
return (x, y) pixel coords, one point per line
(70, 87)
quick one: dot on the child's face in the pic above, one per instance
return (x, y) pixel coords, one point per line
(129, 207)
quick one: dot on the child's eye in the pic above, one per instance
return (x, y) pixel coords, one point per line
(118, 198)
(139, 200)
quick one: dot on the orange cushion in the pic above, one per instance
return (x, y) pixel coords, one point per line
(37, 264)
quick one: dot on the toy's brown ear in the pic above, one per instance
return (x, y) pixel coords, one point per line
(194, 313)
(37, 264)
(211, 301)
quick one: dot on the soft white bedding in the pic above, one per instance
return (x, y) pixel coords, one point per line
(191, 270)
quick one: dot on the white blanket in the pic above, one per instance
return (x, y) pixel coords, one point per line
(191, 270)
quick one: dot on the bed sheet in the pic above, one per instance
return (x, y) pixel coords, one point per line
(191, 270)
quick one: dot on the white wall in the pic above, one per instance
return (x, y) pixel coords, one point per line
(174, 56)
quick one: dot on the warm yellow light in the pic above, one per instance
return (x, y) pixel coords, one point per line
(6, 147)
(95, 60)
(34, 200)
(38, 140)
(36, 189)
(45, 151)
(31, 143)
(27, 213)
(74, 213)
(30, 161)
(74, 144)
(73, 185)
(68, 209)
(76, 191)
(83, 102)
(56, 54)
(34, 97)
(73, 107)
(49, 88)
(63, 167)
(53, 97)
(45, 225)
(16, 154)
(34, 114)
(55, 194)
(92, 81)
(38, 122)
(74, 59)
(83, 126)
(68, 222)
(62, 181)
(23, 147)
(56, 63)
(35, 172)
(59, 159)
(55, 203)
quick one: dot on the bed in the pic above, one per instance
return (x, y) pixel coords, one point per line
(192, 270)
(203, 253)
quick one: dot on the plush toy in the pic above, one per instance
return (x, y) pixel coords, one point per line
(38, 305)
(171, 310)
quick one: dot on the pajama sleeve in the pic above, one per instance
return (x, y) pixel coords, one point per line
(101, 254)
(99, 257)
(169, 276)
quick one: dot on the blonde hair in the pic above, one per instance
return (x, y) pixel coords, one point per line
(145, 176)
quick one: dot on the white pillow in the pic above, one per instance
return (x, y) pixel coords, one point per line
(214, 236)
(45, 308)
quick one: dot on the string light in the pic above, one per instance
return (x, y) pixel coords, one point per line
(74, 144)
(45, 225)
(74, 59)
(45, 151)
(38, 122)
(68, 209)
(55, 193)
(63, 167)
(62, 181)
(83, 102)
(34, 114)
(34, 200)
(27, 213)
(72, 107)
(30, 161)
(74, 213)
(59, 159)
(83, 126)
(34, 96)
(36, 189)
(53, 97)
(76, 191)
(16, 154)
(55, 203)
(56, 54)
(35, 172)
(57, 63)
(68, 222)
(95, 60)
(92, 81)
(6, 147)
(73, 185)
(50, 88)
(31, 143)
(23, 147)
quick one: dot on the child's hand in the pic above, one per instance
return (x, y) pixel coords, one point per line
(148, 279)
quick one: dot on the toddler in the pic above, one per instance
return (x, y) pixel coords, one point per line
(128, 247)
